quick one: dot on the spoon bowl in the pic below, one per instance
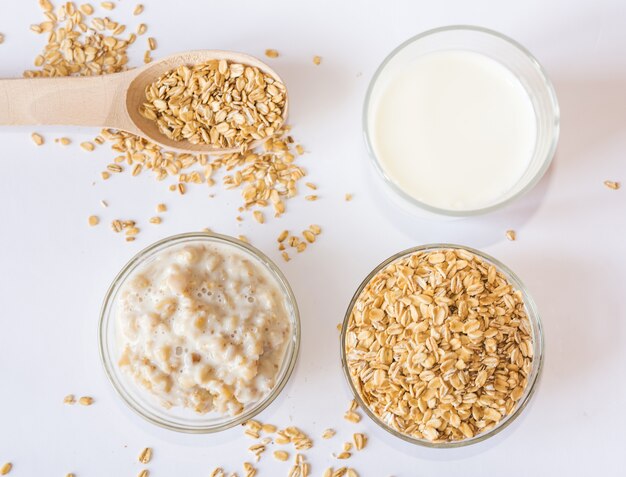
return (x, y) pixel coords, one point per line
(110, 101)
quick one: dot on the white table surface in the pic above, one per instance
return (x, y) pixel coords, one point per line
(570, 249)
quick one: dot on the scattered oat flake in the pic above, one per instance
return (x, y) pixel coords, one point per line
(316, 229)
(138, 9)
(249, 470)
(86, 401)
(87, 146)
(328, 433)
(612, 185)
(152, 43)
(344, 455)
(360, 441)
(283, 235)
(300, 149)
(105, 175)
(282, 439)
(145, 455)
(93, 220)
(317, 60)
(86, 8)
(104, 203)
(161, 208)
(69, 399)
(37, 139)
(71, 474)
(285, 256)
(6, 468)
(142, 28)
(144, 473)
(311, 198)
(271, 53)
(258, 216)
(64, 141)
(309, 236)
(281, 455)
(257, 450)
(253, 425)
(155, 220)
(511, 235)
(348, 197)
(107, 5)
(268, 428)
(310, 185)
(352, 416)
(1, 38)
(243, 238)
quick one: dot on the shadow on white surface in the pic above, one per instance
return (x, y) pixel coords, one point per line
(479, 231)
(315, 92)
(574, 311)
(593, 115)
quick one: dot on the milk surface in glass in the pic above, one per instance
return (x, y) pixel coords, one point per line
(453, 129)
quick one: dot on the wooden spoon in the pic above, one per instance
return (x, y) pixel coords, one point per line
(109, 101)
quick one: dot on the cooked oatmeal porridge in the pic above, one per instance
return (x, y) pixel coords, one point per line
(203, 326)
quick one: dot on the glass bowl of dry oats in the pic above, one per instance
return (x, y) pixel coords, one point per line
(199, 332)
(442, 346)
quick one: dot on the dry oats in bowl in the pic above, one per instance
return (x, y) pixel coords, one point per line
(199, 332)
(228, 105)
(442, 346)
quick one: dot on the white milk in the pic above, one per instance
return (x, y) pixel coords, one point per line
(453, 129)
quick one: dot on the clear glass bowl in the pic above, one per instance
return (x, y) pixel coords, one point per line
(537, 335)
(507, 52)
(139, 399)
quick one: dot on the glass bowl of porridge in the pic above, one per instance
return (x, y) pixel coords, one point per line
(199, 332)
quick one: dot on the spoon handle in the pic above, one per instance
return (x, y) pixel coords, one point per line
(76, 101)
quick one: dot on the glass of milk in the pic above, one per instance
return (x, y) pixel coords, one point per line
(460, 121)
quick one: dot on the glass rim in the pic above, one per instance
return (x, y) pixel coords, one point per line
(291, 351)
(547, 160)
(538, 348)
